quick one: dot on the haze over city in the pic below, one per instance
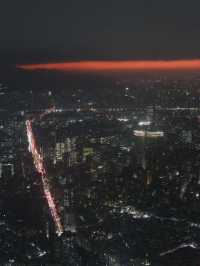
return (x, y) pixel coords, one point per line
(99, 133)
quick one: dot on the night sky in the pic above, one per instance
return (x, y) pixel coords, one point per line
(50, 31)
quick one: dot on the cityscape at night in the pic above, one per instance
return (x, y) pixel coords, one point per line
(99, 133)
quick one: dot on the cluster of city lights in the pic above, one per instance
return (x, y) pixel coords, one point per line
(148, 134)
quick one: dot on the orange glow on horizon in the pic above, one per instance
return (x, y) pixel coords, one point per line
(101, 66)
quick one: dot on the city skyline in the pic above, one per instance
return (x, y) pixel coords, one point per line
(100, 133)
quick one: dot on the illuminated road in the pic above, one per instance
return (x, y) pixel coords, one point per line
(40, 167)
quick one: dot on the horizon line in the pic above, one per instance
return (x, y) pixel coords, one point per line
(118, 65)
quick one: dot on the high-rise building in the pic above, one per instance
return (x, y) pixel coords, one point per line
(6, 170)
(144, 140)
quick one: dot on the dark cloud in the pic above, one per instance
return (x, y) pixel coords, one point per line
(76, 29)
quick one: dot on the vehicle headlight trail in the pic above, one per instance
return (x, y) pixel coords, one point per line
(40, 167)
